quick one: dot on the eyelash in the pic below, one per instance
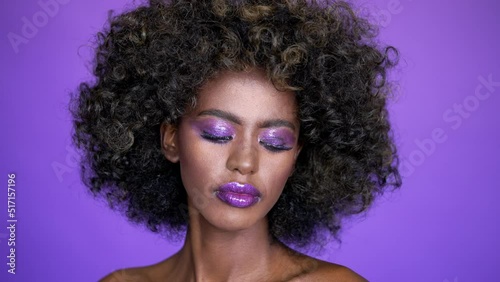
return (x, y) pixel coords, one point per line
(225, 139)
(215, 138)
(274, 148)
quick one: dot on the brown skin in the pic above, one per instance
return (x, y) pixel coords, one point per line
(224, 243)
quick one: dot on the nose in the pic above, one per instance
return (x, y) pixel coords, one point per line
(243, 158)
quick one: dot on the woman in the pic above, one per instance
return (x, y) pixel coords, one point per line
(246, 126)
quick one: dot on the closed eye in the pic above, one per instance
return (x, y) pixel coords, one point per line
(275, 147)
(216, 139)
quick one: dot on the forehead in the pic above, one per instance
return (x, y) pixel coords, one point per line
(250, 95)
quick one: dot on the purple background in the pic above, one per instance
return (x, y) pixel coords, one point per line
(441, 226)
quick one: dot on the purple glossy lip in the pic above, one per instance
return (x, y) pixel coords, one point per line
(238, 195)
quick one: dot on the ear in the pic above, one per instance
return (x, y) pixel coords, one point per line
(295, 158)
(299, 146)
(168, 135)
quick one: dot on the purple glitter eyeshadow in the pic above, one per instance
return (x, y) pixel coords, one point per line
(214, 127)
(278, 137)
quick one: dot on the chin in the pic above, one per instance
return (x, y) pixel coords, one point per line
(232, 219)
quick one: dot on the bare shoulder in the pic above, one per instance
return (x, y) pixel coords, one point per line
(128, 275)
(316, 270)
(327, 271)
(150, 273)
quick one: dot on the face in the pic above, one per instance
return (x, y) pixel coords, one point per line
(236, 148)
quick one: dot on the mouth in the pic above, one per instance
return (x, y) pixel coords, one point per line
(238, 195)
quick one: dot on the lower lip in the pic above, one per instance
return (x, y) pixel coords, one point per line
(237, 200)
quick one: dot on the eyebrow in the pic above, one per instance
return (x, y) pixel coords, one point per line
(234, 119)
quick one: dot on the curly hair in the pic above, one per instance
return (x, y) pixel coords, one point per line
(151, 61)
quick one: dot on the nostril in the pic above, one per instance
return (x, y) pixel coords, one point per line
(243, 160)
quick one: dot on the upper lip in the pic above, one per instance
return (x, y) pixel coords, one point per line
(240, 188)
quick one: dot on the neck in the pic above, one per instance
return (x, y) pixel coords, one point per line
(211, 254)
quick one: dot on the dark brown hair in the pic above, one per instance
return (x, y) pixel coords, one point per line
(151, 60)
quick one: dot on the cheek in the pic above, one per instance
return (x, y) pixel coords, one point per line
(277, 172)
(197, 162)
